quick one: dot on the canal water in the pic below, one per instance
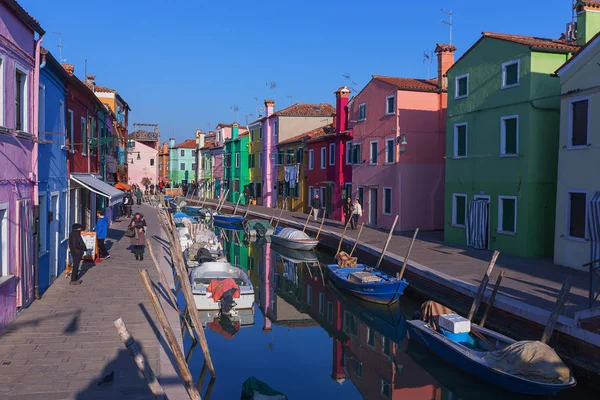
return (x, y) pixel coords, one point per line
(307, 340)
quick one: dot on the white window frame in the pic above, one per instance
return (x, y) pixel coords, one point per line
(383, 200)
(84, 143)
(503, 135)
(331, 149)
(71, 123)
(362, 106)
(501, 214)
(454, 209)
(311, 159)
(349, 152)
(321, 303)
(456, 95)
(42, 108)
(2, 88)
(309, 295)
(4, 238)
(357, 362)
(387, 155)
(25, 100)
(65, 216)
(357, 145)
(385, 341)
(369, 333)
(385, 382)
(329, 316)
(567, 233)
(387, 110)
(43, 224)
(62, 124)
(570, 128)
(323, 157)
(237, 159)
(181, 153)
(182, 166)
(371, 153)
(509, 63)
(455, 150)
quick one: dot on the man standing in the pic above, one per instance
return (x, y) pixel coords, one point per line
(101, 232)
(316, 206)
(128, 201)
(78, 249)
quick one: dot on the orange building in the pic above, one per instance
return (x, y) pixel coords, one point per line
(163, 163)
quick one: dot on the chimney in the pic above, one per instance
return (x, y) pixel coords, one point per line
(588, 20)
(445, 59)
(269, 106)
(199, 139)
(171, 143)
(341, 109)
(235, 130)
(70, 68)
(91, 79)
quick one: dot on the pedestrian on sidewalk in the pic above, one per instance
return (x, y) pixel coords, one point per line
(78, 248)
(138, 195)
(138, 223)
(101, 233)
(316, 206)
(357, 213)
(348, 209)
(128, 202)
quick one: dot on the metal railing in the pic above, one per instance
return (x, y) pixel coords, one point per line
(594, 281)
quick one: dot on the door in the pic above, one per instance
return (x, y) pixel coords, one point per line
(478, 223)
(54, 236)
(25, 262)
(373, 206)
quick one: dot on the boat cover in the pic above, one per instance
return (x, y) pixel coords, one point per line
(180, 214)
(532, 360)
(219, 287)
(292, 234)
(253, 389)
(430, 312)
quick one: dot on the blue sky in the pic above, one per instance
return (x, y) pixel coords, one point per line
(185, 64)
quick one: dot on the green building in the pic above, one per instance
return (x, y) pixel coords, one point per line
(237, 173)
(234, 248)
(182, 162)
(502, 144)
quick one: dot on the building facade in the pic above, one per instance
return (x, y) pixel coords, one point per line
(291, 174)
(142, 161)
(502, 142)
(163, 163)
(255, 160)
(182, 162)
(237, 174)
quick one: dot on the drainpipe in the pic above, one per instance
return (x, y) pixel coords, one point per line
(34, 167)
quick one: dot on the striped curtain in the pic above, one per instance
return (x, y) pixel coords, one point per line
(594, 226)
(477, 223)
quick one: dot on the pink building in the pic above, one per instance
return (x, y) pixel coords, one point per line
(399, 142)
(142, 162)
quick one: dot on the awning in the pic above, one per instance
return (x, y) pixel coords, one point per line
(122, 186)
(93, 184)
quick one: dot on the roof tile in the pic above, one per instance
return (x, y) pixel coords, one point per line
(188, 144)
(427, 85)
(544, 43)
(307, 110)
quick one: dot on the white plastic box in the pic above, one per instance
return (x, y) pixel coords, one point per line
(455, 323)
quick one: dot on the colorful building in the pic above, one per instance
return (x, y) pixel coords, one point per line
(255, 160)
(53, 177)
(577, 233)
(282, 125)
(163, 163)
(217, 156)
(291, 174)
(142, 160)
(182, 162)
(237, 174)
(205, 171)
(502, 143)
(19, 156)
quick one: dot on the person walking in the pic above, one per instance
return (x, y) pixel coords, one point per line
(356, 213)
(101, 233)
(152, 189)
(315, 203)
(138, 223)
(348, 209)
(138, 195)
(128, 202)
(78, 248)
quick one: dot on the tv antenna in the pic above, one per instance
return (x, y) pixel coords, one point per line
(236, 109)
(449, 23)
(350, 83)
(273, 85)
(60, 47)
(256, 99)
(291, 99)
(427, 59)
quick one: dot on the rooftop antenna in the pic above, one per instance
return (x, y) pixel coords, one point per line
(273, 85)
(449, 23)
(247, 115)
(291, 99)
(60, 47)
(237, 110)
(348, 81)
(427, 58)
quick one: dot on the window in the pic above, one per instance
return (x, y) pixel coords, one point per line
(507, 214)
(43, 225)
(311, 159)
(308, 295)
(182, 167)
(311, 194)
(182, 153)
(346, 190)
(357, 368)
(84, 136)
(152, 162)
(360, 195)
(510, 74)
(289, 156)
(323, 197)
(275, 128)
(350, 324)
(193, 166)
(236, 185)
(460, 140)
(250, 160)
(509, 135)
(373, 153)
(370, 337)
(237, 160)
(42, 108)
(260, 132)
(576, 214)
(21, 101)
(61, 122)
(386, 389)
(461, 86)
(321, 303)
(260, 159)
(389, 151)
(579, 114)
(323, 155)
(386, 346)
(300, 155)
(329, 311)
(332, 154)
(459, 210)
(279, 158)
(348, 152)
(390, 103)
(70, 133)
(4, 239)
(387, 201)
(65, 218)
(362, 112)
(356, 153)
(193, 153)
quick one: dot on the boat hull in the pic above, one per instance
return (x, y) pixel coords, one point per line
(229, 219)
(383, 293)
(470, 362)
(205, 303)
(294, 244)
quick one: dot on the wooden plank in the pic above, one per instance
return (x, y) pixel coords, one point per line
(412, 242)
(482, 286)
(560, 301)
(492, 299)
(387, 242)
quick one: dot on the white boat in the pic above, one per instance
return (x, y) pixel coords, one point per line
(202, 276)
(294, 239)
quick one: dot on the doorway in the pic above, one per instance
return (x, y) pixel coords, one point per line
(54, 236)
(373, 206)
(478, 223)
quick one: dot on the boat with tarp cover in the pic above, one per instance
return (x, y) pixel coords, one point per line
(294, 239)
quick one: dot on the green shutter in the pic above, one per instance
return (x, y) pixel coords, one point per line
(511, 74)
(461, 132)
(460, 210)
(508, 215)
(510, 136)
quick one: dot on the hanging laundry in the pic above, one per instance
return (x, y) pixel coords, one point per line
(287, 173)
(293, 177)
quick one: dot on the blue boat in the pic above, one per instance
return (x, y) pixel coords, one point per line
(229, 226)
(476, 353)
(229, 218)
(385, 289)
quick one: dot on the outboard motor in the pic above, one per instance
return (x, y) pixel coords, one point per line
(227, 303)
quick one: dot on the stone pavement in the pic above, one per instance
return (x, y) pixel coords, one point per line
(536, 282)
(65, 343)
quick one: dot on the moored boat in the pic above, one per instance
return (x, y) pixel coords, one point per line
(258, 227)
(207, 276)
(228, 219)
(294, 239)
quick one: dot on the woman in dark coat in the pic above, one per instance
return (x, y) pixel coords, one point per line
(138, 223)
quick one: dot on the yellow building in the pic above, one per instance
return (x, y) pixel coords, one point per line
(292, 185)
(255, 160)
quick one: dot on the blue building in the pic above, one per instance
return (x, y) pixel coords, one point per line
(52, 174)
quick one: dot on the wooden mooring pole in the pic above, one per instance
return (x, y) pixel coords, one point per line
(342, 238)
(321, 226)
(560, 301)
(492, 299)
(412, 242)
(387, 243)
(280, 213)
(237, 204)
(307, 218)
(482, 286)
(357, 238)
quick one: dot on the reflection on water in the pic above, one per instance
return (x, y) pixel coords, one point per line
(307, 339)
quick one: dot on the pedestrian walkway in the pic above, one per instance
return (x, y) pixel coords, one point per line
(536, 282)
(63, 345)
